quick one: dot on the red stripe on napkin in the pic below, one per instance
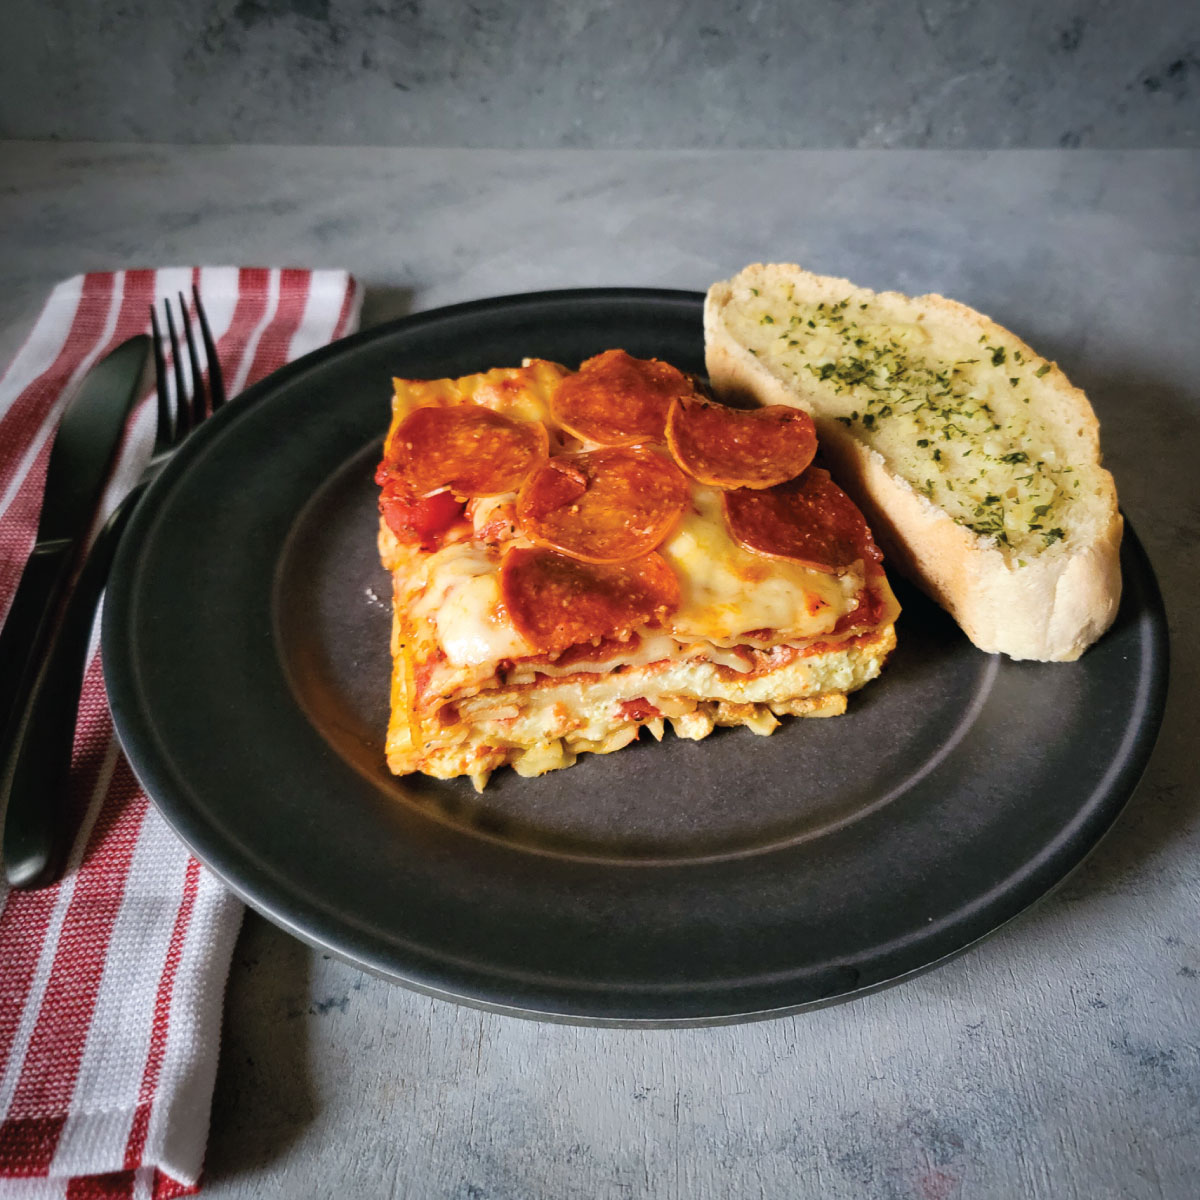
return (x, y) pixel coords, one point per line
(95, 1048)
(102, 1187)
(271, 352)
(348, 316)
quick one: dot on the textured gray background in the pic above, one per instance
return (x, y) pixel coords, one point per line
(628, 73)
(1056, 1061)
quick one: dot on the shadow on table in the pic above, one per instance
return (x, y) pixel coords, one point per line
(382, 304)
(264, 1098)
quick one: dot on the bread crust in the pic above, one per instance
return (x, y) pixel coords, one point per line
(1049, 610)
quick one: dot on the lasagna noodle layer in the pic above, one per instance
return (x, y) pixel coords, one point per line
(541, 726)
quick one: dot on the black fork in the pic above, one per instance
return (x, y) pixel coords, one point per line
(177, 414)
(39, 826)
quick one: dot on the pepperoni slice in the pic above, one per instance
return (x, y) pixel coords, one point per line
(734, 447)
(603, 506)
(555, 601)
(809, 519)
(472, 450)
(617, 400)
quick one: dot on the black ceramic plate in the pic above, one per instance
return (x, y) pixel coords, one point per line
(246, 653)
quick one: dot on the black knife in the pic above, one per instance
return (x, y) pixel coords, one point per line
(80, 459)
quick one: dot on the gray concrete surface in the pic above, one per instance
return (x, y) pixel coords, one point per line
(627, 73)
(1058, 1059)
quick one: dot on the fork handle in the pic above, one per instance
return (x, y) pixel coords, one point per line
(36, 757)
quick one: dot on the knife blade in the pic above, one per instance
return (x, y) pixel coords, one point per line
(80, 458)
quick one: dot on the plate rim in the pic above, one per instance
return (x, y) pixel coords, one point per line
(1029, 890)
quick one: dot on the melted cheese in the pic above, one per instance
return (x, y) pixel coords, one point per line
(519, 392)
(726, 592)
(493, 518)
(461, 600)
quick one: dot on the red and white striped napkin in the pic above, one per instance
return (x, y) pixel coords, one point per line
(111, 982)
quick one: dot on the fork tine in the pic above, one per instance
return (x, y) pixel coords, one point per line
(198, 397)
(216, 384)
(165, 430)
(183, 414)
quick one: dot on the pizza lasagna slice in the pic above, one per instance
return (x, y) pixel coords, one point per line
(577, 556)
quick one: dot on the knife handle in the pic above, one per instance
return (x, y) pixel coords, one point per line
(36, 757)
(29, 620)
